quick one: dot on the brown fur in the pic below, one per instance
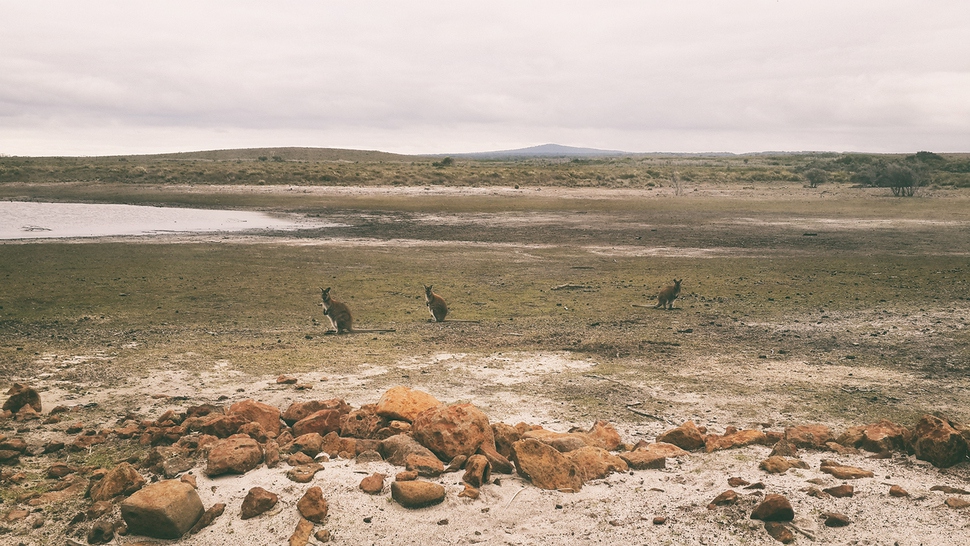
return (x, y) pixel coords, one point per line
(436, 304)
(666, 297)
(338, 313)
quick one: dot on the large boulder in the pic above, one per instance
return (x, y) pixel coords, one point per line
(266, 415)
(301, 410)
(166, 509)
(935, 441)
(322, 422)
(222, 425)
(877, 437)
(603, 435)
(644, 459)
(809, 436)
(687, 436)
(563, 442)
(398, 448)
(310, 443)
(595, 463)
(120, 480)
(234, 455)
(506, 435)
(362, 423)
(733, 438)
(417, 494)
(313, 506)
(402, 403)
(546, 467)
(20, 396)
(454, 430)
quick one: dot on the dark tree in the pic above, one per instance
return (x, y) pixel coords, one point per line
(816, 177)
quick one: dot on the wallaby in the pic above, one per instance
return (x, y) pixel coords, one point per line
(666, 297)
(438, 307)
(339, 315)
(436, 304)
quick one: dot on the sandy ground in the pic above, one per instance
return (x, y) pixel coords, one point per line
(620, 508)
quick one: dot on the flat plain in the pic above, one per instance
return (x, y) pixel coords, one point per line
(839, 305)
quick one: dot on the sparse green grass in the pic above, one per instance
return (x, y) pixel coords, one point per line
(891, 297)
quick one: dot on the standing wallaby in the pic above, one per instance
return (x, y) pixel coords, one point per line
(340, 317)
(666, 297)
(436, 304)
(338, 313)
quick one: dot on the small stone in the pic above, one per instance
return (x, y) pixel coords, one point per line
(774, 508)
(783, 449)
(189, 479)
(313, 506)
(99, 509)
(457, 463)
(406, 476)
(477, 471)
(165, 509)
(373, 484)
(950, 490)
(775, 465)
(304, 473)
(956, 503)
(724, 499)
(208, 517)
(428, 466)
(844, 472)
(643, 459)
(738, 482)
(59, 470)
(120, 480)
(301, 535)
(322, 535)
(369, 456)
(299, 458)
(779, 532)
(20, 396)
(102, 532)
(659, 520)
(417, 494)
(897, 491)
(286, 380)
(470, 492)
(834, 519)
(257, 501)
(817, 493)
(841, 491)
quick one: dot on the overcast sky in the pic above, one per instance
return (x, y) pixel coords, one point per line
(94, 77)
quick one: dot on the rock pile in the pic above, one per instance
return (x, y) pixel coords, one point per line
(425, 437)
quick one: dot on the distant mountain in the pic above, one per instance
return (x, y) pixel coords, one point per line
(284, 154)
(545, 150)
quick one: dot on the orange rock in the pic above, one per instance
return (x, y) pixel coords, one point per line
(405, 404)
(546, 467)
(453, 430)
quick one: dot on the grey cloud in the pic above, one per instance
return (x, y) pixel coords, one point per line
(445, 76)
